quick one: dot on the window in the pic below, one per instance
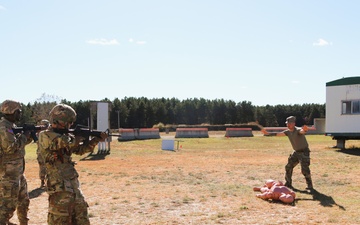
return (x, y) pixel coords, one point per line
(350, 107)
(346, 107)
(356, 107)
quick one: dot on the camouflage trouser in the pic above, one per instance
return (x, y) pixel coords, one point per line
(66, 208)
(14, 196)
(42, 168)
(304, 158)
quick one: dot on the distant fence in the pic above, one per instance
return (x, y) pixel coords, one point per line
(192, 133)
(148, 133)
(138, 134)
(317, 128)
(239, 132)
(275, 129)
(126, 134)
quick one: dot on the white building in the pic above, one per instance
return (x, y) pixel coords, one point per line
(343, 109)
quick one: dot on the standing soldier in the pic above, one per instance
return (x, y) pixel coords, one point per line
(301, 152)
(42, 168)
(67, 204)
(14, 194)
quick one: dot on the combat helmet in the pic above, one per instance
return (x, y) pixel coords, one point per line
(10, 106)
(62, 114)
(45, 122)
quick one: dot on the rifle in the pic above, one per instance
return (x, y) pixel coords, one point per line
(30, 127)
(85, 132)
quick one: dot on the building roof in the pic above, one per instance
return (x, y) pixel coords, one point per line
(344, 81)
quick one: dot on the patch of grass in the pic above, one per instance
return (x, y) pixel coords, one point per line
(187, 200)
(220, 215)
(333, 220)
(154, 204)
(243, 208)
(210, 181)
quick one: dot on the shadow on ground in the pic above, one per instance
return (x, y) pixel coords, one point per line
(324, 200)
(350, 151)
(95, 156)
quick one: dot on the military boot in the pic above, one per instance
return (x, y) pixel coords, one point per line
(289, 185)
(309, 183)
(42, 183)
(24, 221)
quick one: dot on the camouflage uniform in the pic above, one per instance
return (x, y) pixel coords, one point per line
(301, 154)
(42, 168)
(14, 194)
(67, 204)
(41, 162)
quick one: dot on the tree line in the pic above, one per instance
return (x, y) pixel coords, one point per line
(131, 112)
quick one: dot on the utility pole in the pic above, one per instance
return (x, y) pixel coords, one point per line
(118, 112)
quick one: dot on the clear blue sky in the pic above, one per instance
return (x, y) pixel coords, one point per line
(262, 51)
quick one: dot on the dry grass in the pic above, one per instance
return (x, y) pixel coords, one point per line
(210, 181)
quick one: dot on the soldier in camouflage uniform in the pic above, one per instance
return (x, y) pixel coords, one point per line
(42, 168)
(67, 204)
(14, 194)
(301, 152)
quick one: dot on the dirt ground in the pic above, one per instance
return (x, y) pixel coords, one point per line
(204, 182)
